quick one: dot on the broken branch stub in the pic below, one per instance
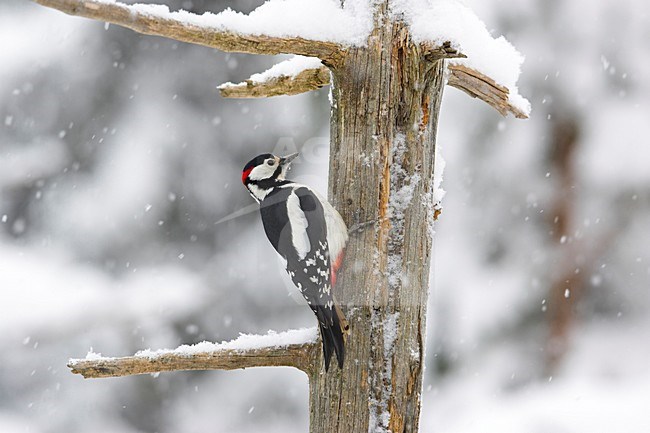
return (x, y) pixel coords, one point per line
(305, 81)
(478, 85)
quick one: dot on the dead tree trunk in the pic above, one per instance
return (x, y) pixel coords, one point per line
(385, 103)
(386, 99)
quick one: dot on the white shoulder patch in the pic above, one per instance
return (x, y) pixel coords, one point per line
(299, 225)
(337, 231)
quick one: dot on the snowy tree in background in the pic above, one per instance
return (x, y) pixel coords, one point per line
(551, 218)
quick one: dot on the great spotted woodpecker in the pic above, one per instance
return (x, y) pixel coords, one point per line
(310, 235)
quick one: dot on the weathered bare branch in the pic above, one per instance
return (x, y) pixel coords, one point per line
(301, 355)
(484, 88)
(167, 26)
(305, 81)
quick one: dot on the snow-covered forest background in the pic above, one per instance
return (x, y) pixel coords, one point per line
(120, 165)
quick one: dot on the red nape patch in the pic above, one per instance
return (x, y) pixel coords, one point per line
(336, 265)
(245, 174)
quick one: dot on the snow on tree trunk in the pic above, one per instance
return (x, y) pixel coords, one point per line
(385, 104)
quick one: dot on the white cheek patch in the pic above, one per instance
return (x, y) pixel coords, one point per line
(258, 193)
(263, 171)
(299, 225)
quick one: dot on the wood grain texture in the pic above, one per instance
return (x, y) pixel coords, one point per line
(300, 356)
(305, 81)
(126, 16)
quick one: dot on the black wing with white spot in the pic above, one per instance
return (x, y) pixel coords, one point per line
(311, 272)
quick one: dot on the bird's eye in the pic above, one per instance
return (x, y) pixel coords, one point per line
(270, 162)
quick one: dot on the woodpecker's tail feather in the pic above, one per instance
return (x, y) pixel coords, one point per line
(333, 337)
(328, 344)
(333, 342)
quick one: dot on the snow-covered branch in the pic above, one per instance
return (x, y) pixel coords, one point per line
(295, 348)
(208, 30)
(291, 77)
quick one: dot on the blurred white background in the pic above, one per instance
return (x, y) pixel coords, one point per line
(117, 157)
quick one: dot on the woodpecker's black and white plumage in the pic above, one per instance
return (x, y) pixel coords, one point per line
(310, 235)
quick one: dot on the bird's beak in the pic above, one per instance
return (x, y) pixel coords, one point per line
(286, 160)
